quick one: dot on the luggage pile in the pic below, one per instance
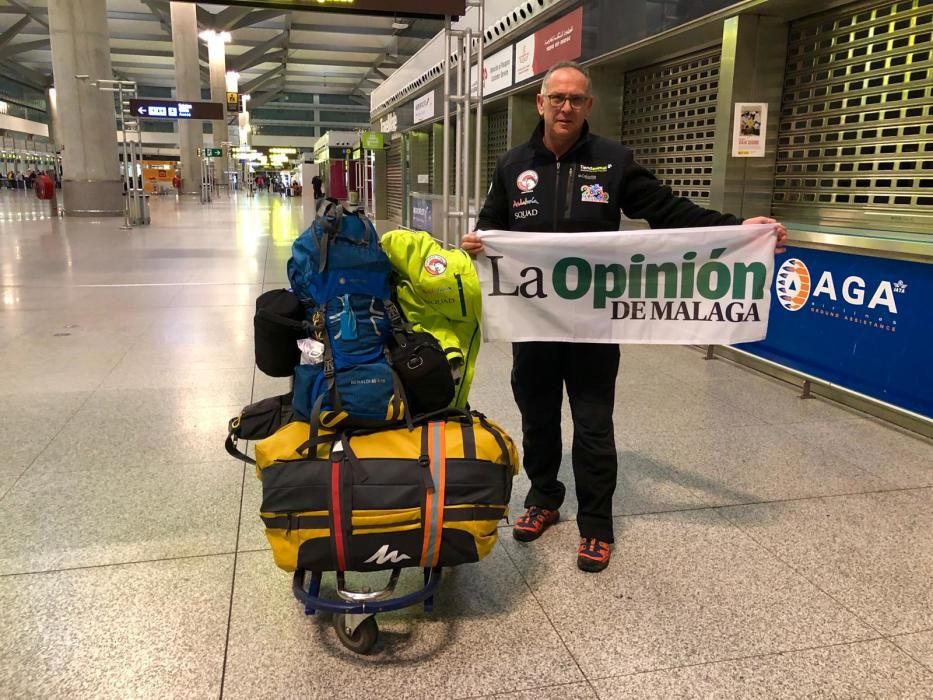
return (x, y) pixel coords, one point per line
(374, 460)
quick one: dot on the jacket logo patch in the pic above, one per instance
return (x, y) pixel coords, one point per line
(595, 168)
(524, 202)
(383, 555)
(527, 181)
(594, 193)
(436, 265)
(525, 213)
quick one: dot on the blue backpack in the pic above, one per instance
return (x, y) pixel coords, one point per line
(342, 275)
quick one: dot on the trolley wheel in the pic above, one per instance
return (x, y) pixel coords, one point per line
(363, 638)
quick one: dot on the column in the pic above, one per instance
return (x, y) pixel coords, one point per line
(187, 87)
(217, 56)
(751, 69)
(80, 55)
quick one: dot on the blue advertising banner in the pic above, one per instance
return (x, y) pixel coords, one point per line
(422, 214)
(861, 322)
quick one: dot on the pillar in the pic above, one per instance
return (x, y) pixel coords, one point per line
(55, 133)
(751, 69)
(80, 42)
(217, 57)
(187, 87)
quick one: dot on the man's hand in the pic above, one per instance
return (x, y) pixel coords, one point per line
(472, 244)
(779, 229)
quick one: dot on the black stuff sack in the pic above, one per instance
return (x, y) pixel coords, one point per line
(277, 326)
(257, 422)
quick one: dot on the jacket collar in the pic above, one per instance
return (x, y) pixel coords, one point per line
(537, 140)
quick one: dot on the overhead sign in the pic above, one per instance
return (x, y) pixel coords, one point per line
(233, 102)
(860, 322)
(176, 109)
(424, 107)
(213, 152)
(497, 72)
(372, 140)
(412, 8)
(559, 41)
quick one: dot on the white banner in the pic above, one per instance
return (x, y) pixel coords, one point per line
(424, 107)
(676, 286)
(497, 72)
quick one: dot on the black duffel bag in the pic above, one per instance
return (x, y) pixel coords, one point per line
(277, 326)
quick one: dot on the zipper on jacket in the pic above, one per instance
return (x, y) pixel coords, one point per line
(569, 192)
(556, 193)
(460, 291)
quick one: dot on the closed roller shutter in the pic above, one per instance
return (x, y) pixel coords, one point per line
(856, 124)
(497, 143)
(395, 188)
(669, 120)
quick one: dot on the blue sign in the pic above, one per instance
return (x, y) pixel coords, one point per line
(861, 322)
(422, 214)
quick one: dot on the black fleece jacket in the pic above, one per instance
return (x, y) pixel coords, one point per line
(583, 190)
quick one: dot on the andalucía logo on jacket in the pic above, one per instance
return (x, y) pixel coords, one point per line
(436, 265)
(527, 181)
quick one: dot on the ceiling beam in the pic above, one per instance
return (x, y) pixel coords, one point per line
(22, 47)
(262, 80)
(26, 75)
(225, 19)
(30, 11)
(257, 17)
(263, 98)
(248, 58)
(271, 57)
(14, 30)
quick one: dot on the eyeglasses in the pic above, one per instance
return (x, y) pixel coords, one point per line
(576, 101)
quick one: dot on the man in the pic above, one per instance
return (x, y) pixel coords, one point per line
(547, 184)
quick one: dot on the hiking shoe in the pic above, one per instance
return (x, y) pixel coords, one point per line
(593, 554)
(534, 522)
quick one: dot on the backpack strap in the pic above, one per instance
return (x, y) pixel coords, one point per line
(330, 231)
(230, 446)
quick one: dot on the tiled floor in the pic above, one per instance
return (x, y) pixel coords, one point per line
(767, 547)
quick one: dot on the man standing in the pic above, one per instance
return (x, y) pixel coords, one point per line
(547, 184)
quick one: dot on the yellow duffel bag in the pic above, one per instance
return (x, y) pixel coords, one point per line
(429, 496)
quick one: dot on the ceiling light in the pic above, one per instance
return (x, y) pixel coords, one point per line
(399, 25)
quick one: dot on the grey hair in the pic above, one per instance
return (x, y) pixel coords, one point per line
(568, 64)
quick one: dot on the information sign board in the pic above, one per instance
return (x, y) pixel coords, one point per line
(411, 8)
(176, 109)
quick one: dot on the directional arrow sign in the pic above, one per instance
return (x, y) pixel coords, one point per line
(177, 109)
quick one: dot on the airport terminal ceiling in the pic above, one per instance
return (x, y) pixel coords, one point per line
(284, 53)
(410, 8)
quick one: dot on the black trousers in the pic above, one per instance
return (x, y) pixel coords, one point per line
(539, 373)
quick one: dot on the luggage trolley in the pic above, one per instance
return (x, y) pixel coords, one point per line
(355, 612)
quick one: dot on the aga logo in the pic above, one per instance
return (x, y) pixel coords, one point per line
(527, 181)
(792, 284)
(436, 265)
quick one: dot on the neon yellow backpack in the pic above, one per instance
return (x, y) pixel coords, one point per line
(438, 292)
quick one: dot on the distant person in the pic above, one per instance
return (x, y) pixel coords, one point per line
(11, 179)
(317, 184)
